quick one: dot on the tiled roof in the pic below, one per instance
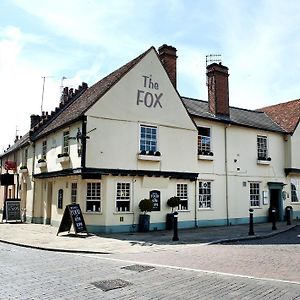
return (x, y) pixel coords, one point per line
(21, 142)
(287, 114)
(238, 116)
(89, 97)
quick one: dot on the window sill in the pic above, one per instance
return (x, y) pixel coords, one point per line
(205, 157)
(205, 209)
(256, 207)
(149, 157)
(23, 171)
(123, 213)
(93, 212)
(263, 162)
(184, 210)
(295, 203)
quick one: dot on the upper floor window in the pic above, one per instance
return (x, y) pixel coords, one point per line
(123, 196)
(254, 194)
(25, 157)
(262, 147)
(205, 194)
(93, 197)
(182, 193)
(294, 190)
(66, 135)
(204, 140)
(148, 138)
(44, 149)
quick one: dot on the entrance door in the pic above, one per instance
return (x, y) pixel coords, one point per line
(275, 201)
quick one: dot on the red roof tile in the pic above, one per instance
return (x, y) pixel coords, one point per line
(286, 114)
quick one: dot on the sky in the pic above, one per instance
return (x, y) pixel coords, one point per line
(42, 42)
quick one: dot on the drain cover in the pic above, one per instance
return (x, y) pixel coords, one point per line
(107, 285)
(138, 268)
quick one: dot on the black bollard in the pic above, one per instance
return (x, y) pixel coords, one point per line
(175, 235)
(251, 230)
(274, 219)
(288, 215)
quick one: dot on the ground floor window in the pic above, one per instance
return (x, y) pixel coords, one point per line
(93, 197)
(254, 194)
(123, 196)
(295, 188)
(74, 192)
(204, 194)
(182, 193)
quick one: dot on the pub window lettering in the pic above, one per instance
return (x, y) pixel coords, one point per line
(123, 196)
(182, 193)
(93, 197)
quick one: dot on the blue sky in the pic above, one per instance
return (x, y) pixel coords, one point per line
(84, 40)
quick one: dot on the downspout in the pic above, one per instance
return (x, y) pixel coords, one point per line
(226, 177)
(34, 189)
(83, 141)
(196, 224)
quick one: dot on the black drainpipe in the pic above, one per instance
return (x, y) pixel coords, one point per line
(83, 141)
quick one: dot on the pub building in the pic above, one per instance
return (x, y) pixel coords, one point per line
(132, 136)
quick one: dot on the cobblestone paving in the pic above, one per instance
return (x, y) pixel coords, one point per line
(34, 274)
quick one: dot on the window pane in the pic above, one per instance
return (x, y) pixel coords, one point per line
(93, 196)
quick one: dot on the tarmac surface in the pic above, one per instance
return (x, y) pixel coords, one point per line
(45, 237)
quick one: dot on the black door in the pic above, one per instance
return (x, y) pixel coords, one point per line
(274, 201)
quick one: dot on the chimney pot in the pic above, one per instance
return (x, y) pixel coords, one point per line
(168, 58)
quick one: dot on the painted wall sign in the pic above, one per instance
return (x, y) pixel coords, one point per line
(152, 98)
(155, 197)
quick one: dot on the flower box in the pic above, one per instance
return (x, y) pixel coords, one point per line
(63, 159)
(149, 155)
(205, 157)
(23, 170)
(42, 164)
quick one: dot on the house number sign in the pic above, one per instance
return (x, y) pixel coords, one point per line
(152, 98)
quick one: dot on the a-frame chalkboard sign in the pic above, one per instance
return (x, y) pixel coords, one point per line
(72, 215)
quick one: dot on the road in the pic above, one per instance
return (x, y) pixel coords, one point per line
(268, 270)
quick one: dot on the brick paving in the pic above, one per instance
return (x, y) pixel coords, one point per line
(35, 274)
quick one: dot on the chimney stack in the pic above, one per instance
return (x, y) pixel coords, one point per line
(34, 119)
(167, 55)
(218, 91)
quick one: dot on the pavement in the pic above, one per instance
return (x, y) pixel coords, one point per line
(45, 237)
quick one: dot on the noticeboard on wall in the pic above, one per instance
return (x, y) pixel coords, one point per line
(155, 198)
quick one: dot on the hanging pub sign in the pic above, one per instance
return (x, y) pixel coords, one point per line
(155, 198)
(72, 215)
(12, 210)
(7, 179)
(10, 165)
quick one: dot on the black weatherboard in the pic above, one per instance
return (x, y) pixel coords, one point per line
(72, 215)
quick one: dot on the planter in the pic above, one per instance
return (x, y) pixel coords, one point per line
(23, 171)
(144, 223)
(63, 159)
(42, 164)
(170, 221)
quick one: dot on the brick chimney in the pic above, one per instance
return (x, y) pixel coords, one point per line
(168, 57)
(218, 91)
(34, 119)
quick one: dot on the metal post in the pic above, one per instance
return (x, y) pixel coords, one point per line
(175, 236)
(251, 230)
(274, 219)
(288, 216)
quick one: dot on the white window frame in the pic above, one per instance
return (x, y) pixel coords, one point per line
(94, 196)
(149, 148)
(182, 193)
(206, 197)
(74, 192)
(44, 149)
(202, 146)
(262, 147)
(254, 198)
(296, 191)
(66, 144)
(122, 196)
